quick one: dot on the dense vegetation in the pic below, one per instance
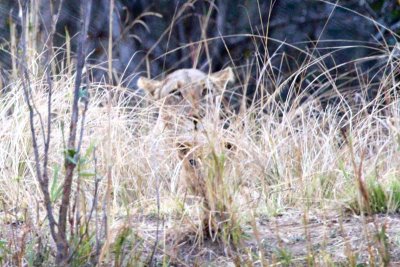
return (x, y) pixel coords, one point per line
(311, 176)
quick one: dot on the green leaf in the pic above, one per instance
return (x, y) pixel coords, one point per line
(71, 160)
(55, 189)
(70, 156)
(86, 174)
(89, 150)
(83, 93)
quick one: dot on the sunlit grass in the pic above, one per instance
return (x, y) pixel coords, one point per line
(311, 141)
(281, 161)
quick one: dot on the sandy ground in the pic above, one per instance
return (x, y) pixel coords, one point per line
(285, 240)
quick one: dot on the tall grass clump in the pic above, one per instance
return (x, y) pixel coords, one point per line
(302, 148)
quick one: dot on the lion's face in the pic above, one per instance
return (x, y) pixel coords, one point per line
(186, 96)
(187, 99)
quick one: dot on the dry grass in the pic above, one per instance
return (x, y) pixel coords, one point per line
(283, 163)
(301, 185)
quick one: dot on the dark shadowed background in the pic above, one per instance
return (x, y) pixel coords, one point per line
(159, 36)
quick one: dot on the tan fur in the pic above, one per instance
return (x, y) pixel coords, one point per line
(186, 99)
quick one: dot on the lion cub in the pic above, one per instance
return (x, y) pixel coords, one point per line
(188, 98)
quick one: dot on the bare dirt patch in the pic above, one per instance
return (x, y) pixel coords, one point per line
(294, 239)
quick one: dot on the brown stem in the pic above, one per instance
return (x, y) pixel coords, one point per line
(70, 164)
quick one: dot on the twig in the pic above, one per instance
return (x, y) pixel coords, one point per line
(27, 95)
(72, 154)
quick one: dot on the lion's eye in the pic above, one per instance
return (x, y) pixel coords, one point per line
(176, 93)
(192, 162)
(204, 92)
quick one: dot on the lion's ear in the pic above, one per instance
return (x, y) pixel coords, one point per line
(222, 78)
(149, 85)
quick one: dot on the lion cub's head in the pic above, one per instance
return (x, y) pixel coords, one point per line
(186, 96)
